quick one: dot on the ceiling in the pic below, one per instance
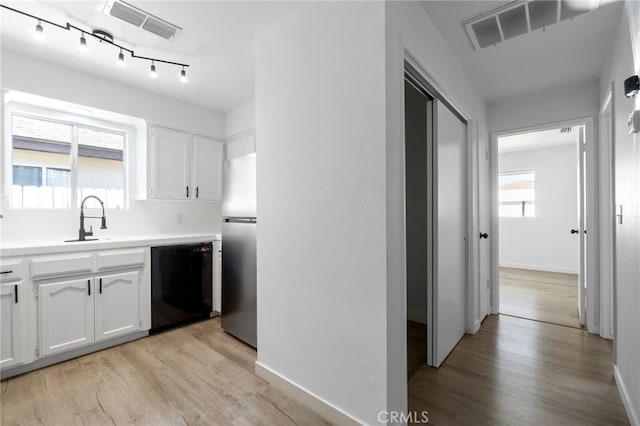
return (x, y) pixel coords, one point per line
(537, 140)
(216, 41)
(568, 52)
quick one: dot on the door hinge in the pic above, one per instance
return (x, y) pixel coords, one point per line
(38, 351)
(486, 155)
(36, 290)
(488, 284)
(140, 324)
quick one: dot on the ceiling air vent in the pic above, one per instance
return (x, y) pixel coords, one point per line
(522, 17)
(140, 18)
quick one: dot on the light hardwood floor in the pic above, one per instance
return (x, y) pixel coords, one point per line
(521, 372)
(196, 375)
(542, 296)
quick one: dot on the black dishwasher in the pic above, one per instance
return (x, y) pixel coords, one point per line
(181, 285)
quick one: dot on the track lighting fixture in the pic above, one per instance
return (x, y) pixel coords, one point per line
(102, 36)
(152, 70)
(39, 34)
(83, 43)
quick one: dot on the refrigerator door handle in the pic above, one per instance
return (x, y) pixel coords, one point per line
(240, 219)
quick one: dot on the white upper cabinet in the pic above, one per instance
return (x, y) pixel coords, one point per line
(207, 170)
(169, 163)
(182, 166)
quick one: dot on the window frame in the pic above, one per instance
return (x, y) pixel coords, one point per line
(535, 195)
(75, 120)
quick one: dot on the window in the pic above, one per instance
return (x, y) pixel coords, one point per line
(516, 194)
(56, 164)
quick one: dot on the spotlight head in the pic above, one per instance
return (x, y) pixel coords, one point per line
(631, 86)
(83, 43)
(39, 34)
(120, 58)
(183, 76)
(152, 71)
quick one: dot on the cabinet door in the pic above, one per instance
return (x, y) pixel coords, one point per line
(207, 169)
(170, 157)
(66, 315)
(10, 325)
(117, 304)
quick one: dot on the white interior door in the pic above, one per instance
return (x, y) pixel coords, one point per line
(582, 278)
(450, 234)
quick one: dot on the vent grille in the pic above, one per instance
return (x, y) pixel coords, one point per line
(127, 14)
(160, 28)
(138, 17)
(521, 17)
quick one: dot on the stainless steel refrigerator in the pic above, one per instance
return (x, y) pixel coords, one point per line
(239, 248)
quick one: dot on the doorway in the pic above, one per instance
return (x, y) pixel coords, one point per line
(541, 210)
(436, 218)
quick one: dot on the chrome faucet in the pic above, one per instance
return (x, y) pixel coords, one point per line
(82, 234)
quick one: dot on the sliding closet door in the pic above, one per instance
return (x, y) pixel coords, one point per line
(451, 229)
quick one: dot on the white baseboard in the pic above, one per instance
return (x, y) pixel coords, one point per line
(626, 399)
(330, 412)
(539, 268)
(417, 315)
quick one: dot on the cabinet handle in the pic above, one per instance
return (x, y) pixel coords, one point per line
(100, 285)
(187, 192)
(5, 272)
(197, 190)
(15, 287)
(89, 287)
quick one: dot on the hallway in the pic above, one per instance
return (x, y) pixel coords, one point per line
(521, 372)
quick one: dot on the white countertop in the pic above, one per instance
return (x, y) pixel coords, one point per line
(30, 248)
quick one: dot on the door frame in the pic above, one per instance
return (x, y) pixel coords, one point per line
(423, 78)
(606, 159)
(592, 222)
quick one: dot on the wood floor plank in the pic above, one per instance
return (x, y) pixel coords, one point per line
(173, 378)
(538, 295)
(521, 372)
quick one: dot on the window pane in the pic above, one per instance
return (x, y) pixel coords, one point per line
(101, 166)
(517, 194)
(27, 175)
(39, 145)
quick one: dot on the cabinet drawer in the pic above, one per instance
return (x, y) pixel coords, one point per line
(62, 265)
(10, 270)
(119, 259)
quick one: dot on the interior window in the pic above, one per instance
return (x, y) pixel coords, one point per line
(56, 164)
(517, 195)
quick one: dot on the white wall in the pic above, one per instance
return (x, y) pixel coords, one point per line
(618, 67)
(408, 26)
(320, 121)
(548, 106)
(240, 119)
(544, 242)
(143, 217)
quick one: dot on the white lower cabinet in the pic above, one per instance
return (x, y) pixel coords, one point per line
(11, 327)
(78, 312)
(66, 315)
(117, 305)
